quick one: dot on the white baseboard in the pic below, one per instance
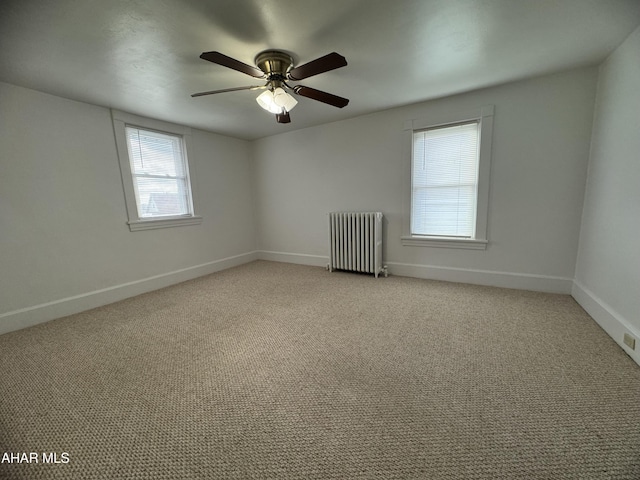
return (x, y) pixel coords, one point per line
(609, 320)
(520, 281)
(26, 317)
(299, 258)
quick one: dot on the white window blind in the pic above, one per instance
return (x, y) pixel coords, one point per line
(159, 171)
(445, 180)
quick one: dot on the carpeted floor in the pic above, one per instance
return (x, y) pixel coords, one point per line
(279, 371)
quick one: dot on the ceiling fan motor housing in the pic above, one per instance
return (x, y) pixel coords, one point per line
(274, 63)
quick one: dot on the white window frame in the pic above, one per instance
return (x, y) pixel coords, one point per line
(120, 121)
(479, 241)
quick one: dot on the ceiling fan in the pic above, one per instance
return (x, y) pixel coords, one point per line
(277, 67)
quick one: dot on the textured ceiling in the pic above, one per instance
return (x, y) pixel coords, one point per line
(142, 56)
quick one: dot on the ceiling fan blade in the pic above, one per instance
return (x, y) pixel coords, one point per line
(319, 65)
(283, 117)
(321, 96)
(220, 59)
(235, 89)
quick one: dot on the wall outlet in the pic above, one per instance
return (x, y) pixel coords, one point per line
(629, 341)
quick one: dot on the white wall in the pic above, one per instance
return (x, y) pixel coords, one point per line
(65, 245)
(607, 282)
(541, 140)
(64, 242)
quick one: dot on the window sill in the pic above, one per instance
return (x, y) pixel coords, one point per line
(445, 242)
(151, 224)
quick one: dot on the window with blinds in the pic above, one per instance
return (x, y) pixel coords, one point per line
(444, 180)
(159, 172)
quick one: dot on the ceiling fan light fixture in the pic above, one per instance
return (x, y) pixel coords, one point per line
(276, 101)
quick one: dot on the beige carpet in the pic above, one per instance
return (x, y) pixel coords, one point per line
(278, 371)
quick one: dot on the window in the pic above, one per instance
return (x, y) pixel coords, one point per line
(159, 171)
(448, 198)
(444, 181)
(155, 172)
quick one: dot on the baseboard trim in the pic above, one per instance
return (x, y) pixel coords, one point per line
(299, 258)
(26, 317)
(609, 320)
(520, 281)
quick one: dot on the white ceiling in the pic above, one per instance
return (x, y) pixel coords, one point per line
(142, 56)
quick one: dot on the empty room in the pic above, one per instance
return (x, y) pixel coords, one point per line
(291, 239)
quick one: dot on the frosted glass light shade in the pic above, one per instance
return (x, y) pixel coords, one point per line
(283, 99)
(276, 101)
